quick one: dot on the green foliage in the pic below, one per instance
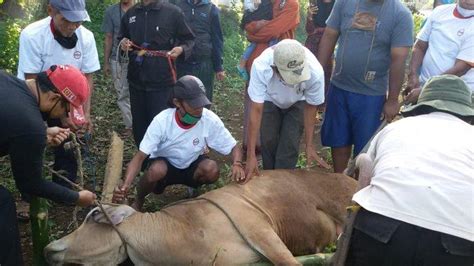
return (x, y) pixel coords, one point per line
(9, 39)
(234, 45)
(418, 20)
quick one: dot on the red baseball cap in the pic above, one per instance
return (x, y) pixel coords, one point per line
(73, 86)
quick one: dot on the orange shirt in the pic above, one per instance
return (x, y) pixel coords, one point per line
(282, 26)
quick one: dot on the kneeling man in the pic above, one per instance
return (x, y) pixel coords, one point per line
(417, 209)
(176, 142)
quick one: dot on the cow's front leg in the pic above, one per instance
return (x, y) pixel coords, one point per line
(269, 244)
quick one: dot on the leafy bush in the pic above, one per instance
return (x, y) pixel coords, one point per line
(9, 39)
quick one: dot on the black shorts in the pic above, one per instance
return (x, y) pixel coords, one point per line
(176, 175)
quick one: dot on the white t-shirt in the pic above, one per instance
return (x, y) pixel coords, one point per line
(424, 174)
(39, 50)
(165, 137)
(265, 85)
(449, 38)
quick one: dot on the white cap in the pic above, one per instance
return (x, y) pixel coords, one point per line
(289, 57)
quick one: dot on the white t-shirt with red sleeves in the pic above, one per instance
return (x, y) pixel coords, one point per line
(449, 37)
(167, 137)
(39, 50)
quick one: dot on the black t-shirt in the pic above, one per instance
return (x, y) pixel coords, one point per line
(157, 26)
(324, 10)
(23, 137)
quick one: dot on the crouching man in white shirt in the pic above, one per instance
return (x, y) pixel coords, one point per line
(417, 204)
(176, 142)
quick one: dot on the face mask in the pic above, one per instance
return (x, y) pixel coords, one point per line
(66, 42)
(465, 12)
(189, 119)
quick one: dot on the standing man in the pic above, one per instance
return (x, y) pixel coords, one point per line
(286, 85)
(206, 59)
(445, 45)
(286, 18)
(57, 93)
(61, 39)
(154, 35)
(113, 65)
(374, 38)
(417, 204)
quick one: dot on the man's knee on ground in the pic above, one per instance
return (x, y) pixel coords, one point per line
(156, 171)
(207, 172)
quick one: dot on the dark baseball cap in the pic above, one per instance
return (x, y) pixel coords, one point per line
(72, 10)
(192, 91)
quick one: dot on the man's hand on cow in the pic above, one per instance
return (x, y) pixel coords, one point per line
(390, 109)
(175, 52)
(238, 172)
(312, 156)
(56, 135)
(120, 194)
(251, 167)
(86, 198)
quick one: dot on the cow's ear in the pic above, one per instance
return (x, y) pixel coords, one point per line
(116, 213)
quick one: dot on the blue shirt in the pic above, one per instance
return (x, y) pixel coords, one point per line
(365, 41)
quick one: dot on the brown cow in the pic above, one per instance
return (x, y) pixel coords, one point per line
(278, 215)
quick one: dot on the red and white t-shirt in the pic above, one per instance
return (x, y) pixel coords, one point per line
(449, 37)
(39, 50)
(167, 137)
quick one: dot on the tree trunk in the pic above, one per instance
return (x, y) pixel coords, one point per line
(39, 229)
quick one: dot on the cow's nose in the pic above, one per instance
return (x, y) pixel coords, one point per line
(55, 252)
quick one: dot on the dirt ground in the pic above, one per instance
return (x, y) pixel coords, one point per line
(228, 104)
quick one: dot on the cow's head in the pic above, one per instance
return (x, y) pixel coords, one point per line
(95, 242)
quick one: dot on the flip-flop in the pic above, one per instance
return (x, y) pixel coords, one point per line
(23, 216)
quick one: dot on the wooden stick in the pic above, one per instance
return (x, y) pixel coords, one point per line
(113, 169)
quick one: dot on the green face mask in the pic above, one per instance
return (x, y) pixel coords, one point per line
(190, 119)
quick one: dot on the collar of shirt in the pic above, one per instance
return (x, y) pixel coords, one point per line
(155, 5)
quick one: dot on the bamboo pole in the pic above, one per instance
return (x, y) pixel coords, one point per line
(39, 229)
(113, 169)
(319, 259)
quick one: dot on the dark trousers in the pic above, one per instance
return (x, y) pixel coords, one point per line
(146, 102)
(64, 160)
(280, 134)
(378, 240)
(203, 69)
(10, 248)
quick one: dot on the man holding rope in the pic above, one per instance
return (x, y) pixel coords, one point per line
(59, 92)
(154, 35)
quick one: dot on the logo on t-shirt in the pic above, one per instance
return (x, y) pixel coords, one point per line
(77, 54)
(132, 19)
(460, 32)
(195, 141)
